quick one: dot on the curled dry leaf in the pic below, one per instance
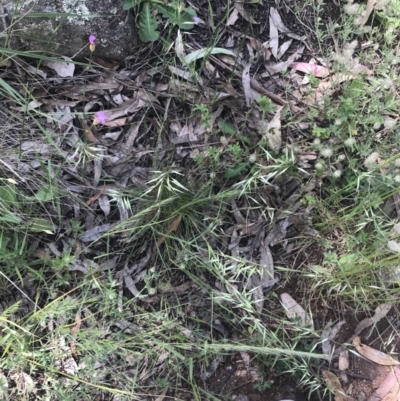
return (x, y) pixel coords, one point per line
(332, 381)
(373, 354)
(62, 68)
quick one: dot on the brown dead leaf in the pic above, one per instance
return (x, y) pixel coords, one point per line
(90, 136)
(42, 254)
(59, 102)
(119, 122)
(173, 227)
(74, 332)
(380, 312)
(373, 354)
(78, 248)
(255, 43)
(95, 197)
(389, 383)
(332, 381)
(110, 64)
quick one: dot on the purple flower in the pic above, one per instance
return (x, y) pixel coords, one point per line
(100, 118)
(92, 45)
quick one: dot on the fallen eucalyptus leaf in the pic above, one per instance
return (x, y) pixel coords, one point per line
(273, 38)
(295, 311)
(373, 354)
(206, 51)
(273, 131)
(332, 382)
(62, 68)
(274, 15)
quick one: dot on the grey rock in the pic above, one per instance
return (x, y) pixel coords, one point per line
(62, 27)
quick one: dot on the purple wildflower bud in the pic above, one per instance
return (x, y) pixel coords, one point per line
(100, 118)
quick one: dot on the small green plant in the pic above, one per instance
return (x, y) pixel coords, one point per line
(174, 11)
(206, 118)
(320, 132)
(262, 385)
(265, 104)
